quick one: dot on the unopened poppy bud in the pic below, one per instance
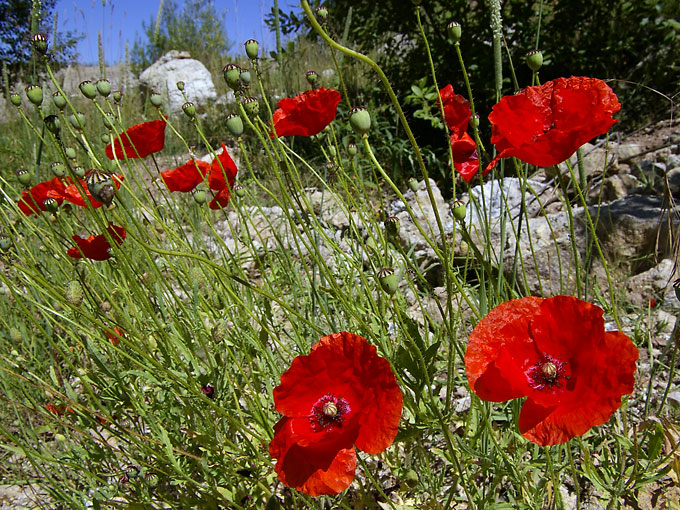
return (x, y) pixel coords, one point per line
(459, 210)
(70, 152)
(156, 99)
(24, 176)
(15, 335)
(232, 75)
(474, 121)
(322, 13)
(413, 184)
(5, 243)
(251, 106)
(392, 226)
(39, 43)
(388, 280)
(312, 77)
(59, 100)
(79, 171)
(534, 60)
(34, 94)
(245, 77)
(252, 47)
(240, 191)
(180, 85)
(105, 306)
(88, 89)
(200, 197)
(352, 149)
(77, 120)
(208, 390)
(360, 119)
(235, 124)
(189, 110)
(454, 31)
(74, 293)
(117, 96)
(51, 204)
(15, 99)
(53, 124)
(58, 169)
(104, 87)
(219, 332)
(109, 120)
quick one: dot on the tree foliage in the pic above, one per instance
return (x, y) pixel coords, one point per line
(197, 28)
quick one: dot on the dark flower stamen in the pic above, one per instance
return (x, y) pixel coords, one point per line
(547, 373)
(328, 412)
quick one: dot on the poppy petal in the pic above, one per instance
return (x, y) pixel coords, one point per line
(138, 141)
(186, 177)
(220, 200)
(97, 247)
(32, 201)
(222, 165)
(306, 114)
(457, 111)
(465, 158)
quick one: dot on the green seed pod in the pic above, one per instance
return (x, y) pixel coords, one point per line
(109, 121)
(455, 31)
(252, 47)
(39, 43)
(352, 149)
(240, 191)
(413, 184)
(474, 121)
(25, 177)
(180, 85)
(251, 106)
(235, 124)
(34, 94)
(245, 77)
(70, 152)
(189, 110)
(312, 77)
(392, 226)
(15, 99)
(156, 99)
(104, 87)
(79, 171)
(59, 100)
(5, 243)
(232, 75)
(200, 197)
(534, 60)
(105, 139)
(53, 124)
(51, 204)
(117, 96)
(101, 187)
(151, 480)
(77, 120)
(220, 331)
(389, 281)
(88, 89)
(459, 210)
(74, 293)
(360, 119)
(58, 169)
(322, 13)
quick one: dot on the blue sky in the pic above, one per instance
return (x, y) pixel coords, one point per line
(121, 21)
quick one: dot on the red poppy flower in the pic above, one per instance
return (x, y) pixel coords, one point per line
(544, 125)
(556, 352)
(457, 114)
(306, 114)
(339, 396)
(116, 335)
(139, 141)
(220, 200)
(186, 177)
(59, 410)
(97, 247)
(72, 194)
(32, 201)
(216, 179)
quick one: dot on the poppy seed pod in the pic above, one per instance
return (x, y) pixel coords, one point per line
(88, 89)
(151, 480)
(39, 43)
(104, 138)
(360, 119)
(240, 191)
(58, 169)
(200, 197)
(59, 100)
(15, 99)
(251, 106)
(459, 210)
(534, 60)
(104, 87)
(180, 85)
(79, 171)
(70, 152)
(392, 226)
(156, 99)
(51, 204)
(24, 177)
(252, 47)
(5, 242)
(413, 184)
(322, 13)
(352, 149)
(77, 120)
(388, 279)
(312, 77)
(109, 120)
(235, 124)
(454, 31)
(117, 96)
(232, 75)
(100, 186)
(34, 94)
(53, 124)
(74, 293)
(189, 110)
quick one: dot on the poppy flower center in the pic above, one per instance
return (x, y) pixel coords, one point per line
(328, 412)
(547, 373)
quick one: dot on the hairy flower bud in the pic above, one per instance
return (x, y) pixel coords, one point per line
(74, 293)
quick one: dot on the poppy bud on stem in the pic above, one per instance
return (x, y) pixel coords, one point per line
(534, 60)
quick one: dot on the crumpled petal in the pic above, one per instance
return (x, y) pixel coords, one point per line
(96, 247)
(306, 114)
(138, 141)
(186, 177)
(32, 201)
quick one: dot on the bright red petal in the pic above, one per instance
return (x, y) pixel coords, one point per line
(222, 165)
(97, 247)
(465, 158)
(72, 194)
(139, 141)
(457, 111)
(220, 200)
(32, 201)
(306, 114)
(186, 177)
